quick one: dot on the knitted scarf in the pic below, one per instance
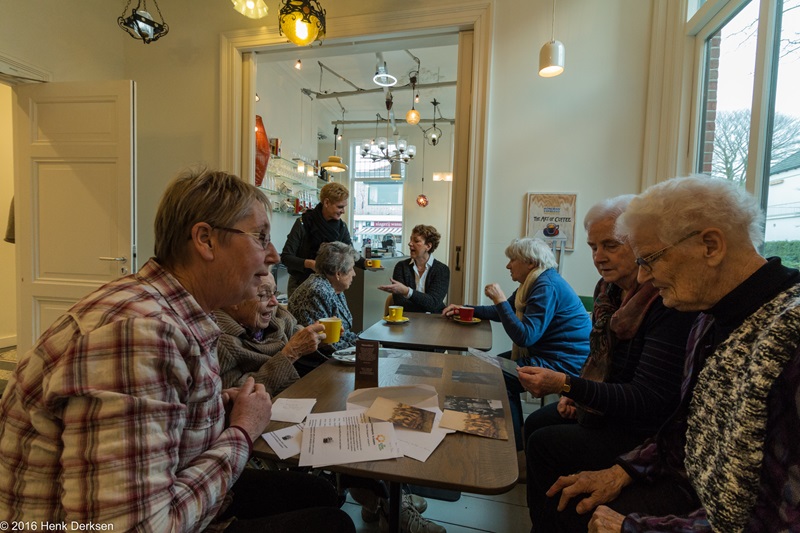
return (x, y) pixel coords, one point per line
(520, 303)
(728, 411)
(319, 230)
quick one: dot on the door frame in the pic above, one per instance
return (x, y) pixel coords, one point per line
(237, 88)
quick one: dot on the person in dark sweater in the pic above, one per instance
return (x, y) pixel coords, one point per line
(420, 284)
(631, 380)
(727, 458)
(322, 224)
(547, 323)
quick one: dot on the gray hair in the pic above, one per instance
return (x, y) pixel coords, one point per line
(531, 250)
(200, 195)
(680, 205)
(610, 208)
(335, 258)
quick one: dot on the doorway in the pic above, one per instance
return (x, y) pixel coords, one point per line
(473, 23)
(8, 269)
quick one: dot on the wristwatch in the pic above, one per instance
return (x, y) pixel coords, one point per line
(567, 386)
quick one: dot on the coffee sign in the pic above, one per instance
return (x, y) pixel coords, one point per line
(551, 217)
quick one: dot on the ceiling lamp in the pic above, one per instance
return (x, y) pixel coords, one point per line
(254, 9)
(334, 162)
(140, 24)
(422, 200)
(378, 148)
(433, 134)
(396, 170)
(383, 78)
(298, 65)
(302, 21)
(551, 56)
(412, 117)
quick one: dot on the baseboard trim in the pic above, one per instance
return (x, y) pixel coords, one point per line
(8, 342)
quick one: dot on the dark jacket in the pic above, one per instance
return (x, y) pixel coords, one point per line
(437, 283)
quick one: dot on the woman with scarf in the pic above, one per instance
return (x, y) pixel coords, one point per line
(322, 224)
(629, 385)
(261, 339)
(544, 318)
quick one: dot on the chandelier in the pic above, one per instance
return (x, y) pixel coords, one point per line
(378, 148)
(141, 25)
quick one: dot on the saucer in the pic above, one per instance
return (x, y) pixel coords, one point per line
(346, 356)
(474, 320)
(390, 321)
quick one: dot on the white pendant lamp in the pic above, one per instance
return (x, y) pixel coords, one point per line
(552, 54)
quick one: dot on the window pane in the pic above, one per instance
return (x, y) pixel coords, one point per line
(728, 95)
(782, 234)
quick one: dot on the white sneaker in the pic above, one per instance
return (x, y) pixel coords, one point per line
(410, 519)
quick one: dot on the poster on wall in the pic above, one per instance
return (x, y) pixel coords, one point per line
(551, 217)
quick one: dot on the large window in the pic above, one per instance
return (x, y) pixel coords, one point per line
(378, 201)
(749, 128)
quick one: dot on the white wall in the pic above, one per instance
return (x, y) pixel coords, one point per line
(580, 132)
(8, 309)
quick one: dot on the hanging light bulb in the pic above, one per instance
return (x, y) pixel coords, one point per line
(552, 54)
(298, 65)
(422, 200)
(254, 9)
(302, 21)
(412, 117)
(416, 98)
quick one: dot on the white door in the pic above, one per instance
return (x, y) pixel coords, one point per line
(75, 187)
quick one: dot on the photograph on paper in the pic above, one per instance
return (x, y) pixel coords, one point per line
(401, 414)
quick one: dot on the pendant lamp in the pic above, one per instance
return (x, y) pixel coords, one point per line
(254, 9)
(422, 200)
(334, 162)
(302, 21)
(552, 54)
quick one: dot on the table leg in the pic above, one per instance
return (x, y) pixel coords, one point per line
(395, 505)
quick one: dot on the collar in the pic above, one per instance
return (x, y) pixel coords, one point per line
(428, 263)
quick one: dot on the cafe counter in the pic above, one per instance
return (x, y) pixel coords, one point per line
(366, 302)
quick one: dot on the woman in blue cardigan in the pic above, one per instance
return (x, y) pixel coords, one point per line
(547, 323)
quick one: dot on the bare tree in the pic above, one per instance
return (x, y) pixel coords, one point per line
(731, 138)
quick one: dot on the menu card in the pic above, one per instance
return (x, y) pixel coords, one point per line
(366, 363)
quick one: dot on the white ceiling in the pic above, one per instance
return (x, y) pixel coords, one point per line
(357, 63)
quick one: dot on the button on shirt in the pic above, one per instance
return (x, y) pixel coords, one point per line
(420, 280)
(115, 416)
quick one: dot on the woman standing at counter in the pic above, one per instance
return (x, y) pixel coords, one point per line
(421, 284)
(316, 226)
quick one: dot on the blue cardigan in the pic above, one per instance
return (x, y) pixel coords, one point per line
(555, 326)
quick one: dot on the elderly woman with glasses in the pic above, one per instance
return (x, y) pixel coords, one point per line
(322, 294)
(547, 323)
(629, 385)
(262, 340)
(727, 459)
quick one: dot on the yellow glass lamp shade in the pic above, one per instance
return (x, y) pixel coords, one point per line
(412, 117)
(302, 23)
(422, 200)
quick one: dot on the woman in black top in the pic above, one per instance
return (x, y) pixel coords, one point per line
(421, 284)
(322, 224)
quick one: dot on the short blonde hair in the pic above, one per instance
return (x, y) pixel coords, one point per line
(335, 192)
(199, 195)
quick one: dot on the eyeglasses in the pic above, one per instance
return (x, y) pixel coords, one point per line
(647, 262)
(261, 238)
(267, 296)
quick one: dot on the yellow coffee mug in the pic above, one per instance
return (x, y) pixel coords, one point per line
(373, 263)
(395, 312)
(333, 329)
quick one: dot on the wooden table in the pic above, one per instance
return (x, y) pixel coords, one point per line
(430, 332)
(461, 462)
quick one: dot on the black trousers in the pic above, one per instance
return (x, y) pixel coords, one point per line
(555, 447)
(285, 502)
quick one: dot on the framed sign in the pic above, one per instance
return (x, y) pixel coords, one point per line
(551, 217)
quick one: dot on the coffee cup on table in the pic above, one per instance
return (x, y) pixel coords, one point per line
(395, 312)
(465, 314)
(373, 263)
(333, 329)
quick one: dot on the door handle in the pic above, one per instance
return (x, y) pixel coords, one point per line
(458, 259)
(119, 259)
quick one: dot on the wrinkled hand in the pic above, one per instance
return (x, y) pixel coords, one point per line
(566, 408)
(395, 287)
(540, 381)
(304, 342)
(450, 310)
(494, 293)
(602, 486)
(604, 520)
(252, 408)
